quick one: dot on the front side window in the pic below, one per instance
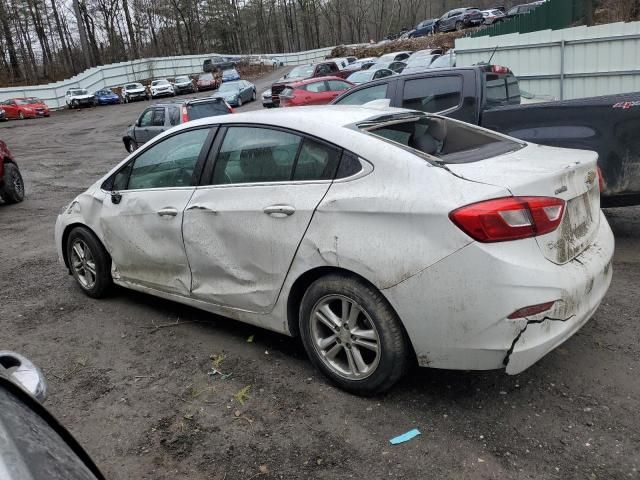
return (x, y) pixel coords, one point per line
(316, 87)
(146, 118)
(365, 95)
(435, 94)
(338, 86)
(382, 73)
(169, 163)
(253, 155)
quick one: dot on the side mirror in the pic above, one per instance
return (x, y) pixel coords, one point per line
(24, 373)
(116, 197)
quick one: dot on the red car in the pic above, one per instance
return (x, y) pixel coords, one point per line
(11, 184)
(313, 91)
(208, 81)
(22, 108)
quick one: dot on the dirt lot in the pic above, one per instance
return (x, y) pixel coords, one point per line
(134, 386)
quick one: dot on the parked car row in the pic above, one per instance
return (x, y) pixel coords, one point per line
(461, 18)
(320, 81)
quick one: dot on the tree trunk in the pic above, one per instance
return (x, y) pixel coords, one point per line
(11, 47)
(132, 36)
(84, 44)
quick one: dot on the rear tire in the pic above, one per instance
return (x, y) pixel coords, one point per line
(89, 262)
(459, 26)
(352, 335)
(239, 102)
(12, 185)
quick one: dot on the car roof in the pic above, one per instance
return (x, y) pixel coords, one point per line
(307, 81)
(318, 120)
(189, 101)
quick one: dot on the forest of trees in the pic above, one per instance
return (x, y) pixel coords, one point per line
(43, 40)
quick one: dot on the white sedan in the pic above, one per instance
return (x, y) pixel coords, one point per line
(376, 235)
(161, 87)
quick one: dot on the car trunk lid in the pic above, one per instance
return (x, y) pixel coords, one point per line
(570, 175)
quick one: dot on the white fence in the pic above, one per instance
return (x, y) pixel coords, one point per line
(117, 74)
(570, 63)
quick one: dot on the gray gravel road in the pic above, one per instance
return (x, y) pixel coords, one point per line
(129, 375)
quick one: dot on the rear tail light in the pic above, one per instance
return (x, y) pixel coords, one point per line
(185, 114)
(509, 218)
(499, 69)
(601, 182)
(531, 310)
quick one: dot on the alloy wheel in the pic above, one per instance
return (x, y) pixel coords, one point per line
(83, 264)
(345, 337)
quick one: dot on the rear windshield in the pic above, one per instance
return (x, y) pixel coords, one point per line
(206, 76)
(206, 109)
(360, 76)
(450, 141)
(501, 90)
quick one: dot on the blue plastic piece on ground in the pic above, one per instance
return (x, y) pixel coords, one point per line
(405, 437)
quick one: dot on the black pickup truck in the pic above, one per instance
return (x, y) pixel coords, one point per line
(489, 96)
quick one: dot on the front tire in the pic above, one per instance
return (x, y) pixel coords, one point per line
(89, 262)
(21, 115)
(459, 26)
(239, 102)
(12, 185)
(253, 96)
(132, 145)
(352, 335)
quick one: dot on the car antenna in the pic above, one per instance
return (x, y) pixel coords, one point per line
(492, 54)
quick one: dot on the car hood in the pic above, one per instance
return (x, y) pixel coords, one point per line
(161, 86)
(78, 97)
(182, 84)
(135, 90)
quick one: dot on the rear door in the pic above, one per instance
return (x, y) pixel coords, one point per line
(241, 231)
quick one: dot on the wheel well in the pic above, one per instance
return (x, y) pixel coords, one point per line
(65, 237)
(304, 281)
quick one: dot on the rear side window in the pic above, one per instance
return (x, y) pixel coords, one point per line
(432, 95)
(206, 109)
(255, 155)
(338, 86)
(501, 90)
(365, 95)
(316, 161)
(158, 117)
(174, 115)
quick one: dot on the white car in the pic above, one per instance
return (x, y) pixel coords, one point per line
(78, 97)
(161, 88)
(373, 234)
(493, 16)
(134, 91)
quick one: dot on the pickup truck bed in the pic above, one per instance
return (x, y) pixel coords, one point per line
(489, 96)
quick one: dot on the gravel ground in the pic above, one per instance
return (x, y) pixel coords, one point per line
(129, 375)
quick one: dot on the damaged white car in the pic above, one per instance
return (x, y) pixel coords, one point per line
(374, 235)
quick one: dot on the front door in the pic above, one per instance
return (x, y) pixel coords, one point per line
(142, 218)
(241, 232)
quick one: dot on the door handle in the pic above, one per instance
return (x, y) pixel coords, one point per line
(168, 212)
(280, 211)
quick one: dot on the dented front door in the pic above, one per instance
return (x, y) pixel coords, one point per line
(143, 235)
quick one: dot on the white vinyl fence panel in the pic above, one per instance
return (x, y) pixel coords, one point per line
(569, 63)
(117, 74)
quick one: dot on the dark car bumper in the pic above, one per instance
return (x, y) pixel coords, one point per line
(108, 101)
(473, 22)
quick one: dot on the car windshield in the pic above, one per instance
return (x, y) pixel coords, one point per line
(80, 91)
(301, 71)
(182, 79)
(206, 76)
(132, 86)
(378, 66)
(229, 87)
(360, 77)
(22, 101)
(155, 83)
(206, 109)
(103, 92)
(449, 140)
